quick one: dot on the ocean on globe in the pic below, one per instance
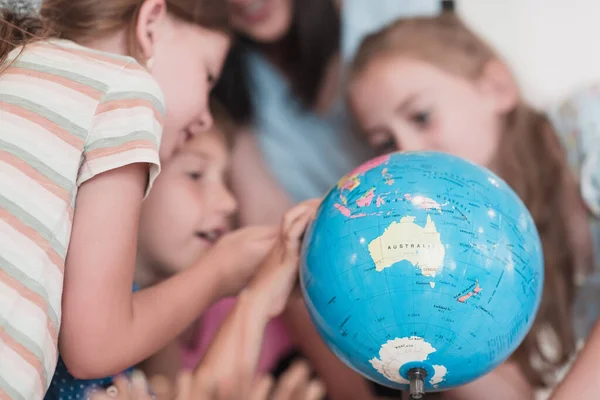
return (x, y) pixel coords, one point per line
(422, 260)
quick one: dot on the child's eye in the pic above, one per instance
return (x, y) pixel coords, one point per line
(195, 175)
(387, 146)
(212, 80)
(421, 118)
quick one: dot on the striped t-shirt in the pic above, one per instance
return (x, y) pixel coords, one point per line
(67, 114)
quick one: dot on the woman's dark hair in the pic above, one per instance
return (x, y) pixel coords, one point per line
(304, 55)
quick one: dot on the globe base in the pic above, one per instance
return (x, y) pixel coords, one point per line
(417, 382)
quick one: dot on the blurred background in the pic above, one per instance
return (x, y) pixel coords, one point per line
(543, 40)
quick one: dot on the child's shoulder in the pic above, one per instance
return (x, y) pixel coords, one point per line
(96, 72)
(104, 106)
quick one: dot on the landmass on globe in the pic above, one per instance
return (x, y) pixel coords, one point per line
(351, 181)
(395, 353)
(388, 178)
(366, 199)
(424, 202)
(476, 290)
(406, 240)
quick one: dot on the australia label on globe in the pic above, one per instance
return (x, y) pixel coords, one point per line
(406, 240)
(422, 260)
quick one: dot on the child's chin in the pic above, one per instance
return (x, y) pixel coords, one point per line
(200, 247)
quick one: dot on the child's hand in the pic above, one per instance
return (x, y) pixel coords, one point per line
(125, 389)
(278, 274)
(297, 384)
(237, 254)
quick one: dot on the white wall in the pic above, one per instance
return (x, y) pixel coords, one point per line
(550, 44)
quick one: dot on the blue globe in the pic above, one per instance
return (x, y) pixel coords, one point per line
(422, 262)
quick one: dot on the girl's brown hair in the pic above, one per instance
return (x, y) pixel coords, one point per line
(531, 160)
(82, 20)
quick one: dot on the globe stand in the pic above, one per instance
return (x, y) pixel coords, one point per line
(417, 382)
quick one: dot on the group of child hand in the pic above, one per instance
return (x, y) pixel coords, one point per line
(227, 371)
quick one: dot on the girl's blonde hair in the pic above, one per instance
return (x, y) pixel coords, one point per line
(530, 158)
(81, 20)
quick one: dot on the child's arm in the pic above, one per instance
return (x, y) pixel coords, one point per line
(228, 368)
(295, 384)
(106, 328)
(583, 379)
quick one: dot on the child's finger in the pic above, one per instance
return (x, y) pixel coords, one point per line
(292, 215)
(120, 388)
(262, 388)
(315, 390)
(298, 226)
(98, 395)
(294, 378)
(184, 385)
(313, 204)
(162, 387)
(139, 386)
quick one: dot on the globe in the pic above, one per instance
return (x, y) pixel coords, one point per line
(422, 268)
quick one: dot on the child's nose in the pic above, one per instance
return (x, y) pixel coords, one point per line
(205, 121)
(411, 143)
(227, 202)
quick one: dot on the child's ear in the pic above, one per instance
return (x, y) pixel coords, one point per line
(151, 19)
(498, 83)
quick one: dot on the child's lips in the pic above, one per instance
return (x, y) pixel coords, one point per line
(211, 236)
(207, 237)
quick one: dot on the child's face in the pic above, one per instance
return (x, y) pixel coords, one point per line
(187, 63)
(405, 104)
(189, 206)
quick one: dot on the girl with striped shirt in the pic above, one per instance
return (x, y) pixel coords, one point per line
(83, 90)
